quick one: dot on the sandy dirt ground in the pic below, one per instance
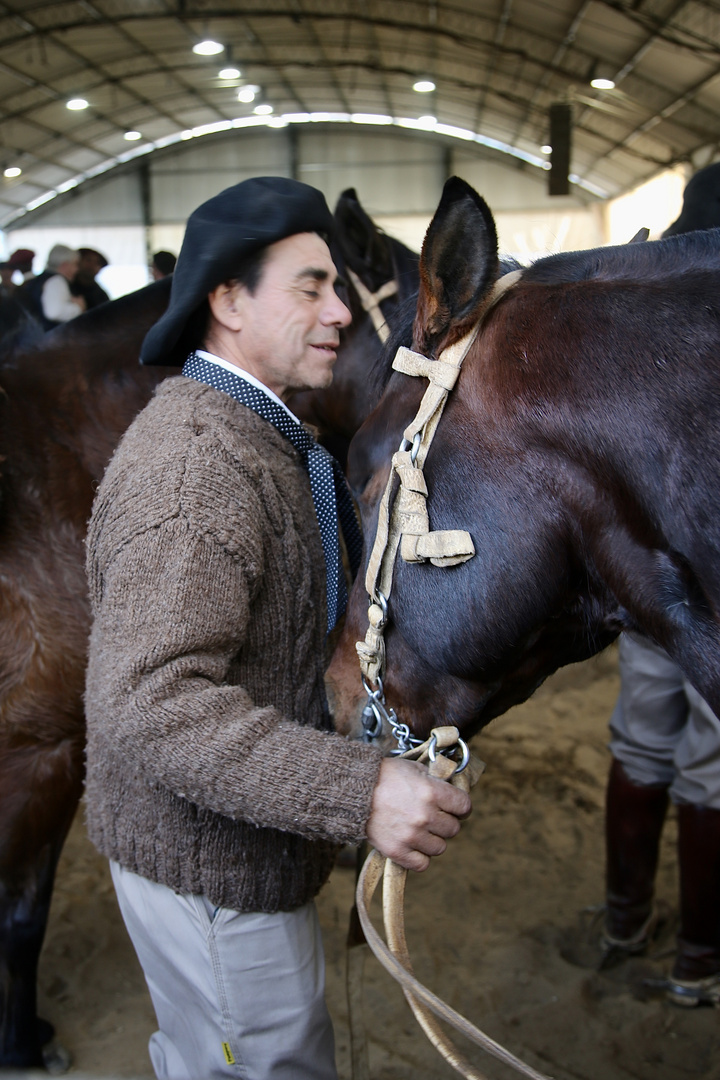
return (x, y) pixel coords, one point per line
(487, 926)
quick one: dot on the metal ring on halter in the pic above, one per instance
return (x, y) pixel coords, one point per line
(461, 743)
(413, 447)
(381, 601)
(376, 694)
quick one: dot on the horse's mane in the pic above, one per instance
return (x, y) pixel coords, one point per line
(401, 334)
(656, 260)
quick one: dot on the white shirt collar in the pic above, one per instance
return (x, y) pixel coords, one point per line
(235, 370)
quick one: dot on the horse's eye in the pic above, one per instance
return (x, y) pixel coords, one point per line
(359, 485)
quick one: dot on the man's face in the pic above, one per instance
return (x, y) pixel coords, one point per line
(68, 269)
(89, 266)
(290, 326)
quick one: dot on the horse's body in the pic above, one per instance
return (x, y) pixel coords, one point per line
(65, 400)
(63, 407)
(580, 449)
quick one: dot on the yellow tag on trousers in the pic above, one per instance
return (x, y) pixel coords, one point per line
(228, 1054)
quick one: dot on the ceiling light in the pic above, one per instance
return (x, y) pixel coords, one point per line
(12, 171)
(229, 73)
(602, 84)
(424, 86)
(263, 110)
(132, 136)
(248, 93)
(427, 121)
(208, 48)
(75, 104)
(546, 149)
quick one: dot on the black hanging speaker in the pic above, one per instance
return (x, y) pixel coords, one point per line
(560, 133)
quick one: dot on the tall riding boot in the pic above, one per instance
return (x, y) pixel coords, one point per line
(634, 817)
(696, 973)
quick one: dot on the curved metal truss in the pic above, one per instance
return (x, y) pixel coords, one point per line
(497, 67)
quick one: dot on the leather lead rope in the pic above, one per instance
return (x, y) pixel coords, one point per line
(395, 956)
(421, 1000)
(403, 523)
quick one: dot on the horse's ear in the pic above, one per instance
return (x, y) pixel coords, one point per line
(361, 243)
(640, 236)
(458, 263)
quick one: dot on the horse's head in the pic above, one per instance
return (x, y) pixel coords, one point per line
(373, 256)
(467, 635)
(359, 244)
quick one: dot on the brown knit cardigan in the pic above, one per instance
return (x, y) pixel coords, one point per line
(211, 762)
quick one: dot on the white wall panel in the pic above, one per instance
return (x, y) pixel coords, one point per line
(507, 187)
(524, 235)
(112, 201)
(392, 172)
(202, 168)
(398, 176)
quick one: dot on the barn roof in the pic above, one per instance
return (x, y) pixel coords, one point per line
(497, 66)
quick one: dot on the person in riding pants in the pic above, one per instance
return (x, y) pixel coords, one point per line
(216, 785)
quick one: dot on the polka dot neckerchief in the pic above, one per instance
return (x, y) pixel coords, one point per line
(330, 493)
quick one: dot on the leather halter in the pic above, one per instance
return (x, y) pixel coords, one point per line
(403, 522)
(371, 302)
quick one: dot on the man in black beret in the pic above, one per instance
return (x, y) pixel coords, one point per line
(215, 782)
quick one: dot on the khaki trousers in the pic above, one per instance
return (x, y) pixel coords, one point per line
(662, 731)
(235, 995)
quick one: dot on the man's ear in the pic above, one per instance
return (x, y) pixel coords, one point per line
(226, 304)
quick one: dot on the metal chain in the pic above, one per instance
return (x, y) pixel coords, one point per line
(376, 713)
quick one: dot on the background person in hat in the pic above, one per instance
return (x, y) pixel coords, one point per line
(22, 264)
(47, 297)
(162, 265)
(90, 263)
(215, 783)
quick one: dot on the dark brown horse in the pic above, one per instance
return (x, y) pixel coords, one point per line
(580, 449)
(65, 399)
(63, 406)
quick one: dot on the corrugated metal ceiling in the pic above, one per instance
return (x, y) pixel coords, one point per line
(497, 65)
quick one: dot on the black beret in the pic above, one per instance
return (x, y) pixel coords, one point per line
(219, 235)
